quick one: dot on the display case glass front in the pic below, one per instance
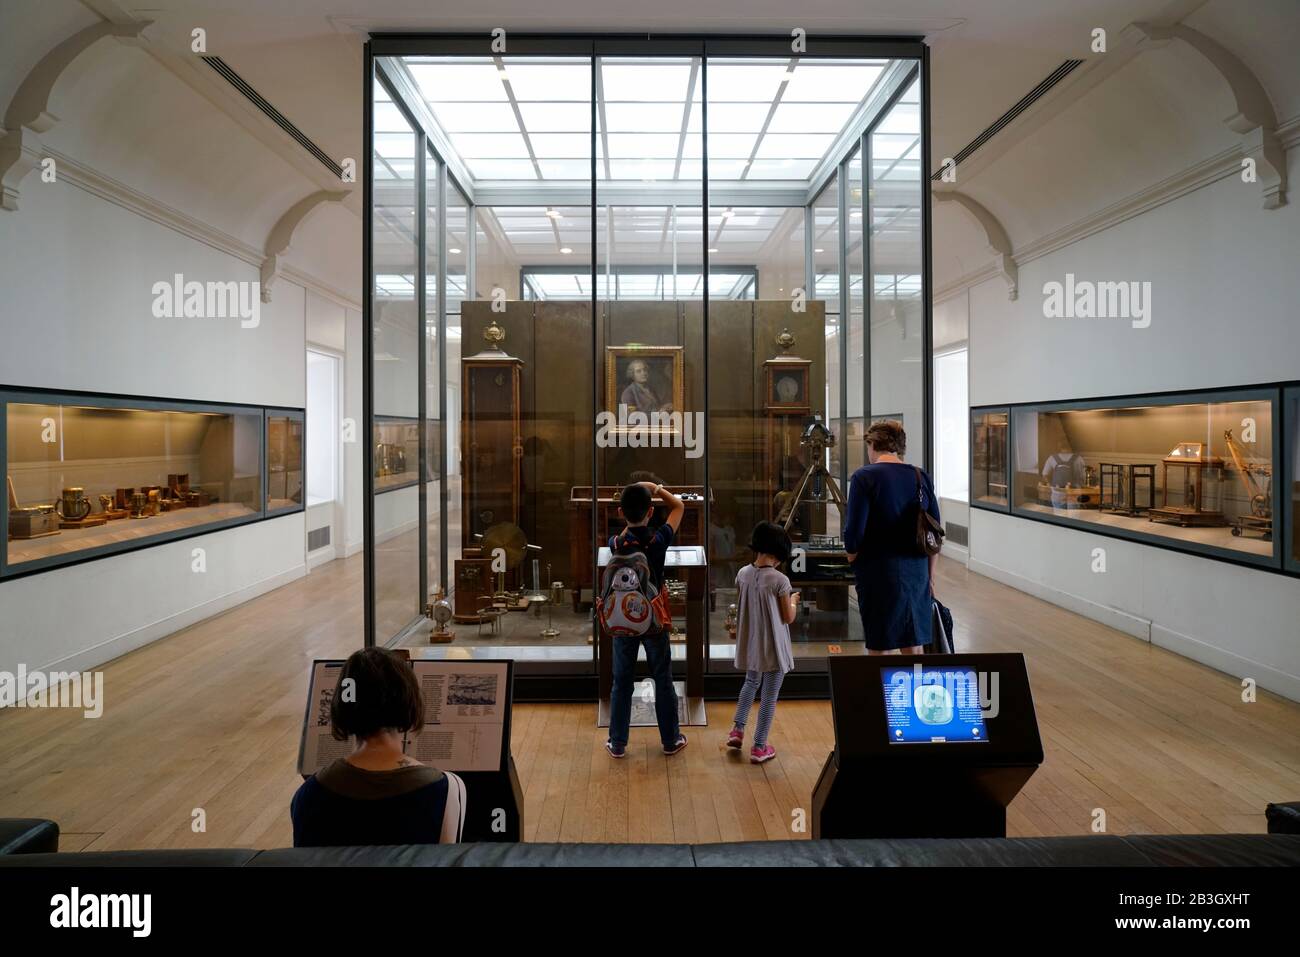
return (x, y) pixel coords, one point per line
(988, 450)
(1195, 474)
(284, 460)
(678, 277)
(87, 476)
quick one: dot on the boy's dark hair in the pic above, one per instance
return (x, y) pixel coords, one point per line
(385, 696)
(770, 539)
(635, 503)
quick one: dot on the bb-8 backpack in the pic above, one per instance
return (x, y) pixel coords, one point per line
(630, 605)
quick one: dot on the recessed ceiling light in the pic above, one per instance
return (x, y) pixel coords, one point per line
(566, 250)
(713, 250)
(454, 251)
(819, 250)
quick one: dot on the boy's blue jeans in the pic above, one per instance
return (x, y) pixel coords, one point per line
(659, 656)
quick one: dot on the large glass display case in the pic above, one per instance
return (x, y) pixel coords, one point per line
(1192, 472)
(590, 291)
(88, 476)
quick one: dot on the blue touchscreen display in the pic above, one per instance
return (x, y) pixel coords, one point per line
(927, 704)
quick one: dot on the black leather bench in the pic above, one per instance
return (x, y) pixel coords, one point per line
(1202, 850)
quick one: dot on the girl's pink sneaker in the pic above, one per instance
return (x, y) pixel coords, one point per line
(758, 755)
(736, 739)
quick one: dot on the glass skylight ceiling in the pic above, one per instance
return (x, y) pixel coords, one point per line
(529, 118)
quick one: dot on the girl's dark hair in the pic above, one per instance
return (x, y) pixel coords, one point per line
(770, 539)
(887, 436)
(384, 696)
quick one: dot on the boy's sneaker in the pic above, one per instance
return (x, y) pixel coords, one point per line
(681, 743)
(758, 755)
(615, 750)
(736, 739)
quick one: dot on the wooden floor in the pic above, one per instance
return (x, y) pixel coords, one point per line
(209, 719)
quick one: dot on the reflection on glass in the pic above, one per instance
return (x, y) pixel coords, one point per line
(432, 385)
(395, 375)
(396, 451)
(284, 461)
(83, 477)
(1197, 473)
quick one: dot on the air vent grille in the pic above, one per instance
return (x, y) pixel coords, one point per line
(318, 538)
(276, 117)
(1028, 100)
(957, 534)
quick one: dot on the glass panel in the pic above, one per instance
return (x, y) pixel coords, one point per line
(650, 254)
(433, 426)
(775, 366)
(395, 376)
(517, 400)
(1292, 441)
(896, 263)
(1197, 474)
(83, 477)
(284, 435)
(322, 428)
(989, 457)
(854, 447)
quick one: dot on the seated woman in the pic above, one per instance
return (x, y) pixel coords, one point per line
(377, 794)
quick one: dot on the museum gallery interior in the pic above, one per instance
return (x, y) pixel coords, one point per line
(346, 326)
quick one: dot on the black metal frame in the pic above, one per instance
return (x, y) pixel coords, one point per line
(26, 395)
(1283, 507)
(590, 46)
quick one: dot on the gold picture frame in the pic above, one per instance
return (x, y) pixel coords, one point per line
(665, 377)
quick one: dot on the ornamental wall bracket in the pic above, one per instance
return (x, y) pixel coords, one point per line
(999, 242)
(1254, 120)
(28, 118)
(281, 237)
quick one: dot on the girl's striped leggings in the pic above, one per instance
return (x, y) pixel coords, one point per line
(770, 683)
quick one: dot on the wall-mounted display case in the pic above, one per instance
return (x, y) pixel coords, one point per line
(89, 476)
(1195, 472)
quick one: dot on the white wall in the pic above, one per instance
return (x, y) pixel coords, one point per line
(154, 180)
(1224, 286)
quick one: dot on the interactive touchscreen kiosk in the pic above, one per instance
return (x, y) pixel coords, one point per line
(467, 707)
(926, 746)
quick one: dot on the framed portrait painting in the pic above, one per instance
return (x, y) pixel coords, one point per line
(645, 379)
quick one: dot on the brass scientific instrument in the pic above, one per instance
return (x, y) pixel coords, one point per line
(1259, 494)
(73, 506)
(817, 482)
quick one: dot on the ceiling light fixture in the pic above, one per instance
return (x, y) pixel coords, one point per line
(566, 250)
(454, 251)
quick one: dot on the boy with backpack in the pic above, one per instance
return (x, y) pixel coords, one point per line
(631, 610)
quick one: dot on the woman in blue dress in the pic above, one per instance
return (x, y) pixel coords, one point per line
(893, 579)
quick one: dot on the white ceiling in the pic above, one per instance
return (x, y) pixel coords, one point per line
(304, 55)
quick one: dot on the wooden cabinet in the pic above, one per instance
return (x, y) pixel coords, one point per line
(491, 442)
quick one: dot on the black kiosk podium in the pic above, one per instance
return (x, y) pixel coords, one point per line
(926, 746)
